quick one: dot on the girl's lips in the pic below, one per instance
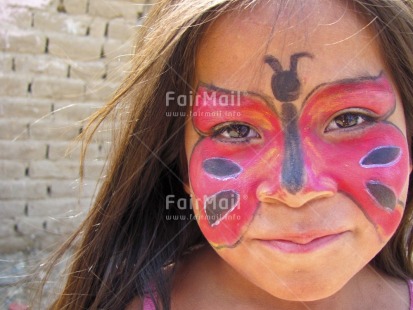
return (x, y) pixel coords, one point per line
(300, 245)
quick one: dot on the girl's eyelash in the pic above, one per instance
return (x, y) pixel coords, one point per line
(237, 132)
(350, 120)
(234, 132)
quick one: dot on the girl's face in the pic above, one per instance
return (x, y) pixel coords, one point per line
(298, 161)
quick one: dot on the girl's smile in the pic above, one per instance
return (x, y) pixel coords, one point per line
(303, 243)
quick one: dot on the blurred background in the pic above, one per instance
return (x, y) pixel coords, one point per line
(60, 60)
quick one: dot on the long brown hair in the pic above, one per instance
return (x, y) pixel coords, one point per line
(393, 21)
(126, 240)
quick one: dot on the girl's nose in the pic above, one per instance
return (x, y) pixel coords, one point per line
(314, 187)
(297, 182)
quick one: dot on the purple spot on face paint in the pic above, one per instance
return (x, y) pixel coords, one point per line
(218, 206)
(383, 194)
(383, 156)
(221, 168)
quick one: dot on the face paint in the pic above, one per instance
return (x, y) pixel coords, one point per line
(384, 156)
(221, 168)
(217, 206)
(298, 152)
(286, 88)
(369, 165)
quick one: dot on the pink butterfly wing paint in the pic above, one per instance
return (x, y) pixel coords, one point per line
(370, 167)
(230, 172)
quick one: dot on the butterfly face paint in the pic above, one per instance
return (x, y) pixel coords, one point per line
(339, 141)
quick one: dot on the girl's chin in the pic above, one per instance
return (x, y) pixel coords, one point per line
(306, 287)
(306, 293)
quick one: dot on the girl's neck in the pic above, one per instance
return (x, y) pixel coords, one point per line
(204, 279)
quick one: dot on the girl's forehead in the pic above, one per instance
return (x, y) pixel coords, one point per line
(343, 44)
(298, 21)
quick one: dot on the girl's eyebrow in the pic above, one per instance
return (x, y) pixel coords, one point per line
(319, 90)
(352, 85)
(230, 92)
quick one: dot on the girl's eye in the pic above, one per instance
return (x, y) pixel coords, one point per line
(348, 120)
(235, 133)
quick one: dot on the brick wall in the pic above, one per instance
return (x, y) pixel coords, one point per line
(59, 61)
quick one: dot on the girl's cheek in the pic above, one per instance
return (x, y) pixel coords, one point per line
(224, 179)
(371, 169)
(224, 176)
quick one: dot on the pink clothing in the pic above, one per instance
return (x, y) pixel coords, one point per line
(148, 303)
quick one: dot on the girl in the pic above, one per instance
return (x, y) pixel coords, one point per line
(263, 162)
